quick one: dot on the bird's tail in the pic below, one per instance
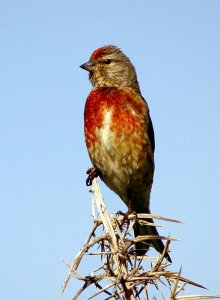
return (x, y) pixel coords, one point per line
(142, 247)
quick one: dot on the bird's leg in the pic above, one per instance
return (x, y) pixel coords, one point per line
(125, 215)
(130, 210)
(93, 173)
(121, 213)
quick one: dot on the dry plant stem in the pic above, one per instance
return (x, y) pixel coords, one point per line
(120, 269)
(122, 274)
(77, 260)
(151, 216)
(101, 291)
(194, 297)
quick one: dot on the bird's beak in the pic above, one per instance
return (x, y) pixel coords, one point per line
(88, 66)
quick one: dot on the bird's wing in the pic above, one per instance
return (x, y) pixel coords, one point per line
(150, 132)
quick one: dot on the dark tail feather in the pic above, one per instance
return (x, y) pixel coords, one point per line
(142, 247)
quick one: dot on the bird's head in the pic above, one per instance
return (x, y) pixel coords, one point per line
(108, 66)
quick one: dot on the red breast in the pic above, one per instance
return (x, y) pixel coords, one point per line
(128, 111)
(116, 138)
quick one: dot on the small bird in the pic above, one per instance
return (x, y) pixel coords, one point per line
(119, 135)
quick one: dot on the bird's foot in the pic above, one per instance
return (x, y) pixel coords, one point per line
(125, 215)
(93, 173)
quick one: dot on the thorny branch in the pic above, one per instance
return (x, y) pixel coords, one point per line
(126, 274)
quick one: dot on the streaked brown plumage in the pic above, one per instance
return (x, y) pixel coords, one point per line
(119, 133)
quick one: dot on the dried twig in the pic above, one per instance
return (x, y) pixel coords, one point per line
(122, 274)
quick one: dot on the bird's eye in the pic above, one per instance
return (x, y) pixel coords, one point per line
(107, 61)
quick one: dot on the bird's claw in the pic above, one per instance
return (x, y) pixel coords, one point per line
(93, 173)
(125, 215)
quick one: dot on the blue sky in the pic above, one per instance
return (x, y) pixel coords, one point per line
(45, 207)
